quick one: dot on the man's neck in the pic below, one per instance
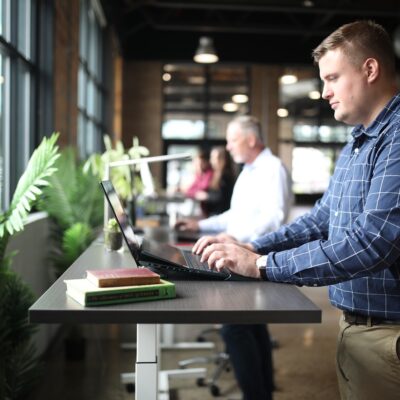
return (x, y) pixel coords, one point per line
(256, 152)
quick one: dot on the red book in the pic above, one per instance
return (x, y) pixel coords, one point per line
(122, 277)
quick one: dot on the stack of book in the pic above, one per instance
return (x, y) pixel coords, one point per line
(121, 285)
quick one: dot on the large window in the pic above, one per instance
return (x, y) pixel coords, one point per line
(18, 86)
(199, 101)
(91, 89)
(309, 134)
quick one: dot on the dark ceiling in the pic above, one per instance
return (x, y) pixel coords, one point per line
(259, 31)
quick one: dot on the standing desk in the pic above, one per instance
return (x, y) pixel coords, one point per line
(197, 302)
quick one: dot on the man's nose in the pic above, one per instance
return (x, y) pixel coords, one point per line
(326, 93)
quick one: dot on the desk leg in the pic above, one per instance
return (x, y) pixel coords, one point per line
(146, 362)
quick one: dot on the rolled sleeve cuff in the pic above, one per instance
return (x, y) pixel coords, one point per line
(277, 270)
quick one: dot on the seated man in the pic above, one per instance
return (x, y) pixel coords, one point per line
(260, 203)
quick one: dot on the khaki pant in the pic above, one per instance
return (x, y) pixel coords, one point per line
(368, 362)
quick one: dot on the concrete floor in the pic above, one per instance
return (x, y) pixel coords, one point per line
(304, 364)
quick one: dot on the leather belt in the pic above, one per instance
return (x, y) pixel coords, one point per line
(357, 319)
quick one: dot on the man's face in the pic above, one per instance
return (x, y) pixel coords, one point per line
(345, 87)
(238, 144)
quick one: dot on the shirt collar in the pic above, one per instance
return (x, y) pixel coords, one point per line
(265, 153)
(380, 121)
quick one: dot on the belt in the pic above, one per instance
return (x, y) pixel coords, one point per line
(357, 319)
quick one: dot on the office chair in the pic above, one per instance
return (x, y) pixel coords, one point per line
(219, 358)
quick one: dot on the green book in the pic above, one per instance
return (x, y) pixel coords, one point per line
(88, 294)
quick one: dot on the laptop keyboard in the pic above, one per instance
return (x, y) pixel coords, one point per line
(193, 261)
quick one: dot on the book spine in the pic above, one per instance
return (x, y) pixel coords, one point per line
(109, 282)
(96, 299)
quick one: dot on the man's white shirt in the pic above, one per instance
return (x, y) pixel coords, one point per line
(260, 201)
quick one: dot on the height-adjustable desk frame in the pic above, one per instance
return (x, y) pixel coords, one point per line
(197, 302)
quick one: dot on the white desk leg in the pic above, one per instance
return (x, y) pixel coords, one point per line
(146, 362)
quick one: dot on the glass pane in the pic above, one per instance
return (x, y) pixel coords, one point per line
(24, 118)
(183, 126)
(83, 30)
(180, 173)
(81, 136)
(81, 88)
(90, 105)
(24, 27)
(217, 125)
(2, 131)
(306, 178)
(4, 27)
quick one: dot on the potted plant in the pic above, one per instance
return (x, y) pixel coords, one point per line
(112, 235)
(125, 179)
(74, 202)
(18, 363)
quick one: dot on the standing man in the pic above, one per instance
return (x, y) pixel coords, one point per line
(261, 196)
(351, 238)
(260, 203)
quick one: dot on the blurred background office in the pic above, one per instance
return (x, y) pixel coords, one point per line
(126, 68)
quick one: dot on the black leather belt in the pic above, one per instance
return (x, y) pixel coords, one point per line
(357, 319)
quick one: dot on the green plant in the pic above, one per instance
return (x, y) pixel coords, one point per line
(74, 202)
(123, 179)
(112, 225)
(18, 363)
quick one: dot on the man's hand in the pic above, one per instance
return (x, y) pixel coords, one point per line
(205, 241)
(232, 256)
(187, 224)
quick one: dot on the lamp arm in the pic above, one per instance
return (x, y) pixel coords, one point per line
(108, 166)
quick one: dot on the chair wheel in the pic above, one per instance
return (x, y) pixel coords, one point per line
(130, 387)
(214, 389)
(201, 382)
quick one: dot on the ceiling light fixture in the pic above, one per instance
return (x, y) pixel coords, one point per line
(166, 77)
(205, 53)
(240, 98)
(282, 112)
(314, 95)
(230, 107)
(288, 79)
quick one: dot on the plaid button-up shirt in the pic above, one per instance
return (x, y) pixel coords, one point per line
(350, 240)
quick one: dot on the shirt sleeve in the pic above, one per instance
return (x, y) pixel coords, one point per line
(216, 223)
(311, 226)
(371, 244)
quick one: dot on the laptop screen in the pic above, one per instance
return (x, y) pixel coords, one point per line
(122, 218)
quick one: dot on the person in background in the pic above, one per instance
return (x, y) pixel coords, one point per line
(350, 240)
(203, 174)
(260, 203)
(217, 198)
(261, 197)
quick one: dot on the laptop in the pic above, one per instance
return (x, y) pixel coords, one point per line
(168, 261)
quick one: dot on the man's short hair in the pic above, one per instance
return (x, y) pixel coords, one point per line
(249, 124)
(360, 40)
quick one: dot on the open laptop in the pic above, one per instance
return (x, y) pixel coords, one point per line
(167, 260)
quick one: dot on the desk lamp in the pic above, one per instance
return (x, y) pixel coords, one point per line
(144, 160)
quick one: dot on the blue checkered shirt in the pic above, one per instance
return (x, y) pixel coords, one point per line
(350, 240)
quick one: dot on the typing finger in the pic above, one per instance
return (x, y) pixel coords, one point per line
(201, 244)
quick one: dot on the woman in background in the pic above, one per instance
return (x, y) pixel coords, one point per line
(217, 198)
(203, 175)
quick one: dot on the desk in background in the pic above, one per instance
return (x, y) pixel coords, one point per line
(197, 302)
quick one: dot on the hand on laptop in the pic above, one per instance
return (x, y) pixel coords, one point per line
(232, 256)
(205, 241)
(187, 224)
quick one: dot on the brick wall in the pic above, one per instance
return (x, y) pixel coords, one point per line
(66, 61)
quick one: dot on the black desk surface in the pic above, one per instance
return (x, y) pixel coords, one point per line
(197, 302)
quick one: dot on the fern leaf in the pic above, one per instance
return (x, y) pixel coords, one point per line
(28, 187)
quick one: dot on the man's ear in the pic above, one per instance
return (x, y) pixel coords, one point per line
(252, 140)
(372, 69)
